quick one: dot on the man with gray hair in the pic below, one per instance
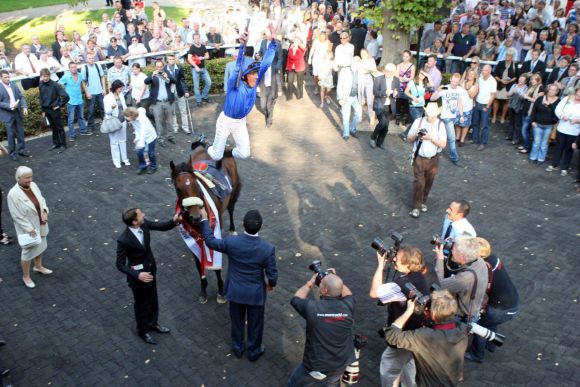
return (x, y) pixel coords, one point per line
(469, 279)
(329, 344)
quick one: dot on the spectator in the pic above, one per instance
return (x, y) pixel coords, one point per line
(139, 90)
(560, 72)
(12, 108)
(119, 72)
(47, 61)
(429, 37)
(325, 76)
(94, 50)
(543, 118)
(568, 84)
(94, 87)
(215, 40)
(568, 113)
(296, 68)
(534, 66)
(185, 29)
(366, 70)
(181, 94)
(317, 55)
(528, 39)
(405, 73)
(373, 46)
(358, 34)
(161, 100)
(115, 50)
(343, 52)
(52, 99)
(426, 151)
(159, 15)
(505, 74)
(157, 43)
(36, 47)
(462, 45)
(145, 139)
(196, 57)
(385, 89)
(433, 72)
(25, 63)
(347, 96)
(114, 106)
(517, 111)
(469, 84)
(30, 214)
(415, 91)
(131, 33)
(488, 49)
(271, 82)
(535, 91)
(487, 90)
(137, 49)
(72, 82)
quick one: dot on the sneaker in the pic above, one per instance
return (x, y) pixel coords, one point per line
(403, 137)
(550, 168)
(118, 165)
(424, 208)
(127, 163)
(564, 172)
(86, 133)
(523, 151)
(415, 213)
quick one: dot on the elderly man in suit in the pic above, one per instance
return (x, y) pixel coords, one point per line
(385, 89)
(250, 257)
(135, 259)
(12, 107)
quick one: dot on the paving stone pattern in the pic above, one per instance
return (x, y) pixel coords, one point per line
(321, 198)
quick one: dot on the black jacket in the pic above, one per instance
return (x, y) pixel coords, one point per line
(380, 93)
(555, 76)
(180, 83)
(52, 95)
(539, 69)
(56, 51)
(512, 73)
(131, 253)
(358, 35)
(153, 80)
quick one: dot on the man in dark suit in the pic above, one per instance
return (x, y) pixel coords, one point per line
(136, 260)
(12, 107)
(560, 72)
(181, 92)
(535, 65)
(269, 87)
(358, 35)
(161, 100)
(250, 258)
(385, 89)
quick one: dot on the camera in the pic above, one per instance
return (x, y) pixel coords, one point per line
(439, 241)
(422, 301)
(444, 87)
(316, 266)
(392, 251)
(494, 337)
(422, 132)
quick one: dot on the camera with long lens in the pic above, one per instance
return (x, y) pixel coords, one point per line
(390, 252)
(422, 301)
(491, 336)
(447, 243)
(316, 266)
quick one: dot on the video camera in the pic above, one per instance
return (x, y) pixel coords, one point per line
(391, 252)
(316, 266)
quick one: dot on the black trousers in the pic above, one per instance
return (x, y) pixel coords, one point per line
(55, 121)
(146, 307)
(563, 151)
(299, 80)
(382, 127)
(254, 314)
(268, 96)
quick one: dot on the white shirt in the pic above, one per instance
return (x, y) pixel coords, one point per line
(138, 234)
(486, 89)
(10, 92)
(437, 132)
(137, 49)
(458, 228)
(138, 84)
(343, 55)
(144, 131)
(449, 99)
(567, 108)
(22, 64)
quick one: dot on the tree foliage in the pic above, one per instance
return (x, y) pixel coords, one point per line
(403, 15)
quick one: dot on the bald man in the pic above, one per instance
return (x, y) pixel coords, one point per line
(329, 338)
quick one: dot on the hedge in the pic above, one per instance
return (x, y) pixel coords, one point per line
(33, 124)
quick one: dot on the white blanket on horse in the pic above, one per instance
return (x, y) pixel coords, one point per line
(214, 258)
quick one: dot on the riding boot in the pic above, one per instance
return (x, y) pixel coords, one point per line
(203, 293)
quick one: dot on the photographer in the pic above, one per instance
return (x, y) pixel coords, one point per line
(503, 302)
(438, 349)
(329, 344)
(469, 281)
(410, 263)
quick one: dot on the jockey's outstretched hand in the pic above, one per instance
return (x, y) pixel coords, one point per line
(203, 213)
(244, 37)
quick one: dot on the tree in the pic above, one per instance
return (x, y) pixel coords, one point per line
(398, 19)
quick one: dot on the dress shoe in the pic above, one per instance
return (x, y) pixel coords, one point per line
(171, 140)
(54, 147)
(238, 354)
(147, 338)
(29, 283)
(42, 270)
(354, 134)
(161, 329)
(13, 158)
(24, 153)
(142, 171)
(256, 356)
(457, 163)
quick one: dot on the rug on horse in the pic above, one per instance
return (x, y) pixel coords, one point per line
(216, 179)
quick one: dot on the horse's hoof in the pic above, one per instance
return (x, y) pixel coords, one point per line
(221, 299)
(234, 232)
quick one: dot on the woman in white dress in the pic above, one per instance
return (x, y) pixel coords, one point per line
(114, 106)
(325, 80)
(30, 214)
(317, 54)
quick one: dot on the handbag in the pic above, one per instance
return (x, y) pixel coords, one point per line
(26, 241)
(110, 125)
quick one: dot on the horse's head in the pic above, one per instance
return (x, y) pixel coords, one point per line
(188, 192)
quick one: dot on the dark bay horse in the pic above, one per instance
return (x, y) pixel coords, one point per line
(186, 186)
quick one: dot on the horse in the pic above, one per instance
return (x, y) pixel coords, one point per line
(186, 186)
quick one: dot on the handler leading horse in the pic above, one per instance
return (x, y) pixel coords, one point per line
(188, 184)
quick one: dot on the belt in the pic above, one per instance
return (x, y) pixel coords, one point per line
(428, 158)
(162, 100)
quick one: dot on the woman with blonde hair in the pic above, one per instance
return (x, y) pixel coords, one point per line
(470, 85)
(30, 213)
(317, 54)
(145, 137)
(535, 91)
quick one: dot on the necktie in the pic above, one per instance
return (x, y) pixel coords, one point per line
(31, 65)
(448, 231)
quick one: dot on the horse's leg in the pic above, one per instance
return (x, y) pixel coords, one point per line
(202, 293)
(232, 205)
(221, 298)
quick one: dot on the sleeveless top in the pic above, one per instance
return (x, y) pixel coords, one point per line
(407, 74)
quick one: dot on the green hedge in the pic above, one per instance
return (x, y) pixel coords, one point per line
(33, 124)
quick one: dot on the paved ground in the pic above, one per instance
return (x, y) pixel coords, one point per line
(321, 198)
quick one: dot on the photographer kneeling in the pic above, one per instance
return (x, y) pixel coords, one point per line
(438, 349)
(329, 344)
(410, 263)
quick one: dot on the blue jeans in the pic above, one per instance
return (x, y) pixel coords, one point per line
(301, 378)
(151, 152)
(206, 84)
(351, 102)
(480, 120)
(490, 320)
(540, 146)
(95, 99)
(450, 129)
(71, 110)
(526, 123)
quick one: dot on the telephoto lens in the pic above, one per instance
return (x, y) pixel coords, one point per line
(488, 335)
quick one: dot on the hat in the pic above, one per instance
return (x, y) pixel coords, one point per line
(432, 110)
(191, 202)
(253, 67)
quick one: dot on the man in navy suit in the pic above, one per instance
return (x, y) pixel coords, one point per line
(136, 260)
(12, 107)
(250, 258)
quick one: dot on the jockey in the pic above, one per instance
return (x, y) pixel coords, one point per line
(240, 99)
